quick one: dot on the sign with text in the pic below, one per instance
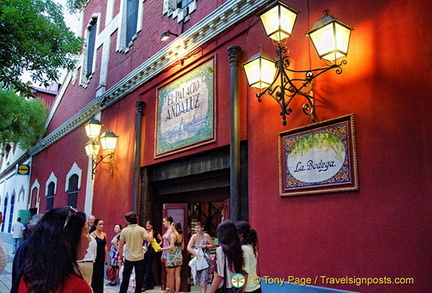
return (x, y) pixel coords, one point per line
(185, 111)
(318, 158)
(23, 169)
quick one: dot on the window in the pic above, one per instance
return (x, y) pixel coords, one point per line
(182, 4)
(131, 20)
(34, 198)
(89, 60)
(180, 9)
(91, 45)
(11, 211)
(50, 197)
(131, 23)
(4, 212)
(73, 191)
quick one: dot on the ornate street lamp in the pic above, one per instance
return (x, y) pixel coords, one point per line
(278, 20)
(330, 37)
(93, 128)
(268, 77)
(108, 141)
(92, 148)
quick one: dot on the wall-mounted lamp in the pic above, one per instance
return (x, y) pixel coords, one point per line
(165, 36)
(108, 141)
(330, 38)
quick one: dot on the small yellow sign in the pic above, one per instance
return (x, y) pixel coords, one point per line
(23, 169)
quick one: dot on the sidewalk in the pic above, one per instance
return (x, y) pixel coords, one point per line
(6, 275)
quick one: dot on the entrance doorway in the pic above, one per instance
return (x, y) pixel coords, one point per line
(210, 214)
(190, 189)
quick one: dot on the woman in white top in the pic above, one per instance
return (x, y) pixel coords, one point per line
(229, 257)
(249, 239)
(199, 246)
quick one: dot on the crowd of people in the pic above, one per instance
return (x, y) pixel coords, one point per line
(68, 253)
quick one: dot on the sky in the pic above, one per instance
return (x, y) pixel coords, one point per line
(70, 20)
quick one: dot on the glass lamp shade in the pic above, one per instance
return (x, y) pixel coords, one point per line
(93, 128)
(260, 71)
(330, 38)
(92, 148)
(278, 20)
(164, 36)
(108, 141)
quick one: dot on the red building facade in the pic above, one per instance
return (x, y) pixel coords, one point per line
(380, 231)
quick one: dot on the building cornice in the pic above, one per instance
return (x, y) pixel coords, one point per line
(205, 30)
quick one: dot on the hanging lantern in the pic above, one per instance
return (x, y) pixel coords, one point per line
(92, 148)
(93, 128)
(108, 141)
(330, 38)
(278, 20)
(260, 71)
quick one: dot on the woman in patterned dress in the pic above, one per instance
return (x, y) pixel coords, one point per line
(201, 241)
(175, 258)
(113, 257)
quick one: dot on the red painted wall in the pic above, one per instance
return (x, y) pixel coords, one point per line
(59, 159)
(383, 230)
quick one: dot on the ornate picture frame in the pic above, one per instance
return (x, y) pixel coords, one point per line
(319, 158)
(185, 110)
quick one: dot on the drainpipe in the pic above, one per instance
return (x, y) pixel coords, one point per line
(140, 105)
(234, 53)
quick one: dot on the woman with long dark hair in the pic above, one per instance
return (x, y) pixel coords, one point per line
(229, 256)
(113, 257)
(101, 260)
(150, 254)
(47, 261)
(249, 239)
(166, 239)
(174, 259)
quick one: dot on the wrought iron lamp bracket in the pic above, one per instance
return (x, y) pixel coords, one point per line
(101, 159)
(284, 89)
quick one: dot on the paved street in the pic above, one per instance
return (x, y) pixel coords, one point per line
(6, 275)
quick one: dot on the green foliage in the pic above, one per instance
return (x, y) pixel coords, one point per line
(319, 140)
(34, 38)
(76, 5)
(22, 120)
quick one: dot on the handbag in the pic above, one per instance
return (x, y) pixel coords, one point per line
(111, 273)
(155, 245)
(201, 262)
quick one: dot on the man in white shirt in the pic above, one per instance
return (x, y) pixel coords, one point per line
(86, 264)
(17, 233)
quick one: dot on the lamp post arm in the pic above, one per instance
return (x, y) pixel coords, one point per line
(95, 162)
(284, 89)
(313, 73)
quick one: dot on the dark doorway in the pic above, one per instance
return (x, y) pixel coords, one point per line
(197, 186)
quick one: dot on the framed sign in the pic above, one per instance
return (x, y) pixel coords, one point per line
(186, 111)
(318, 158)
